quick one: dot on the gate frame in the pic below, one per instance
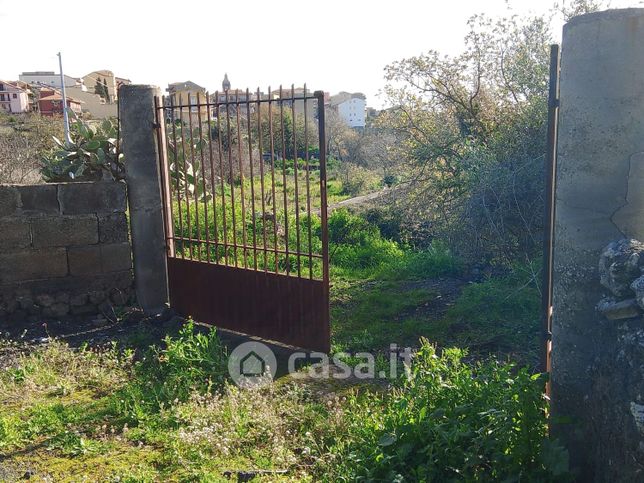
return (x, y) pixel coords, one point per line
(313, 292)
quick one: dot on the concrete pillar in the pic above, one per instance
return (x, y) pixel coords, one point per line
(600, 179)
(138, 117)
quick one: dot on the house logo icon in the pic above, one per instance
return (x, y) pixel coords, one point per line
(252, 364)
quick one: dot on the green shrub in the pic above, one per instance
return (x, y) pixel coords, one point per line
(372, 255)
(450, 421)
(358, 248)
(388, 222)
(389, 180)
(435, 261)
(356, 244)
(191, 362)
(357, 180)
(92, 152)
(349, 229)
(499, 314)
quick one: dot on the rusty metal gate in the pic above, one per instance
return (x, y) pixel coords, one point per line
(244, 187)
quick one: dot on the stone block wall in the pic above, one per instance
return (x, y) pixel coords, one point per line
(597, 378)
(64, 250)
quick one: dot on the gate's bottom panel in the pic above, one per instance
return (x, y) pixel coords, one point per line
(285, 309)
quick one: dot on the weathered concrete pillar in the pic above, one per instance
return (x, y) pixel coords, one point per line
(597, 364)
(140, 148)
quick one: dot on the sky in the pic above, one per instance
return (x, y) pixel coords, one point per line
(331, 45)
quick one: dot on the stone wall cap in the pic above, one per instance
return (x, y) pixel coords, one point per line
(59, 183)
(611, 14)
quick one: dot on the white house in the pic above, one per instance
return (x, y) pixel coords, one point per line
(351, 107)
(13, 98)
(47, 78)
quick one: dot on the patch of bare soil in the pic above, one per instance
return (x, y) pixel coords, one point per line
(97, 330)
(447, 290)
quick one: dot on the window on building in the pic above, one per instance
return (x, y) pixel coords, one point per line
(15, 96)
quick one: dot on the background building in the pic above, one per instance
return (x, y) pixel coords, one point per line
(14, 98)
(233, 96)
(351, 107)
(47, 78)
(185, 94)
(295, 97)
(50, 103)
(108, 80)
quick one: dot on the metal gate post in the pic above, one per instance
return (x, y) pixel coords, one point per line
(324, 211)
(549, 216)
(141, 150)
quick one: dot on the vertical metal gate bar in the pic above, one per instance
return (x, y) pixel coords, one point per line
(308, 184)
(261, 174)
(549, 219)
(252, 178)
(295, 174)
(195, 183)
(221, 178)
(176, 172)
(241, 179)
(287, 263)
(229, 148)
(274, 197)
(323, 201)
(212, 180)
(185, 179)
(203, 179)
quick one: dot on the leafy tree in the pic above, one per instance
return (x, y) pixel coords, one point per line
(281, 124)
(106, 92)
(338, 134)
(101, 89)
(471, 134)
(98, 88)
(579, 7)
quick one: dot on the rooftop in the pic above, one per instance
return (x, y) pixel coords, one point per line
(58, 97)
(40, 72)
(184, 86)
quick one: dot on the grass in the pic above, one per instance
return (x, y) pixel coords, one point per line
(484, 421)
(367, 316)
(371, 314)
(168, 416)
(509, 323)
(379, 296)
